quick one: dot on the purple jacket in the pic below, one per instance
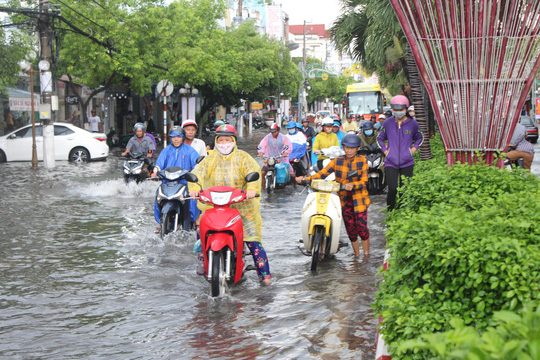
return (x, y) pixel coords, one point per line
(400, 141)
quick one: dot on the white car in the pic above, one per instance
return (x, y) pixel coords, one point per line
(70, 143)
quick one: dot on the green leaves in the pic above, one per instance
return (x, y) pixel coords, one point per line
(464, 244)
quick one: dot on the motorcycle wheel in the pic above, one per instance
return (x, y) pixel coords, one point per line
(167, 223)
(219, 279)
(373, 186)
(316, 248)
(270, 183)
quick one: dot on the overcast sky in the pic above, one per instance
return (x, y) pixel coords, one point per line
(315, 11)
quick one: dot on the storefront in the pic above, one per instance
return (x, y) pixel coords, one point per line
(16, 110)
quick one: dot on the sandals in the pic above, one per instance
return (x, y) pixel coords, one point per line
(158, 230)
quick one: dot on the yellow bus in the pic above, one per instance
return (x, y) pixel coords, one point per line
(364, 100)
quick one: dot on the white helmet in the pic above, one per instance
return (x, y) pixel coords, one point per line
(327, 121)
(411, 108)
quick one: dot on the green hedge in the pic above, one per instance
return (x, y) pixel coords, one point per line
(464, 244)
(511, 336)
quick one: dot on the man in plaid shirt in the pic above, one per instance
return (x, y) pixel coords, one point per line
(354, 199)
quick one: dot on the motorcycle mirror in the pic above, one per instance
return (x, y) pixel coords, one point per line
(253, 176)
(199, 159)
(350, 174)
(191, 177)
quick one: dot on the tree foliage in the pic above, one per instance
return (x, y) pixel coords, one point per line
(14, 47)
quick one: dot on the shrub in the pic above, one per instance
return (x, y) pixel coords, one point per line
(464, 244)
(511, 336)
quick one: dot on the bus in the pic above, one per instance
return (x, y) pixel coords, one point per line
(364, 100)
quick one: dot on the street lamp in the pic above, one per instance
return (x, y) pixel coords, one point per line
(188, 91)
(303, 89)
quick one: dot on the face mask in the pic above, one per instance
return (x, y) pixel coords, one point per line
(225, 149)
(368, 132)
(399, 114)
(292, 131)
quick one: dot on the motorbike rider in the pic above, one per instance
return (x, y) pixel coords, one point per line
(141, 144)
(368, 134)
(350, 125)
(410, 112)
(354, 199)
(190, 128)
(336, 129)
(308, 131)
(275, 144)
(299, 144)
(229, 166)
(176, 154)
(399, 138)
(324, 140)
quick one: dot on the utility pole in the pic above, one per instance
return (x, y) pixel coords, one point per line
(46, 80)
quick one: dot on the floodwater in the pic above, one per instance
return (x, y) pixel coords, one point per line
(83, 276)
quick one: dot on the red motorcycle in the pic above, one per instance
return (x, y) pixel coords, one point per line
(222, 235)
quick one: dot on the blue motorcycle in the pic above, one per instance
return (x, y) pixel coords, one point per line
(173, 200)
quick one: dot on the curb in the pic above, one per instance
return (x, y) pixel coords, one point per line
(382, 349)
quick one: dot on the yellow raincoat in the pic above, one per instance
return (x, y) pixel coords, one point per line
(231, 170)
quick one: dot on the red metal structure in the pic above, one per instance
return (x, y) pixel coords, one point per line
(477, 59)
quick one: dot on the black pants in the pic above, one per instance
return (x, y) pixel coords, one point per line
(393, 178)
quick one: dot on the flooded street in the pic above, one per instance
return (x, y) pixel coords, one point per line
(84, 276)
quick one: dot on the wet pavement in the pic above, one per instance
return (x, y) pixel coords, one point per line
(82, 275)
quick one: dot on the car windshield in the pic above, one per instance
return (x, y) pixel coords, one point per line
(365, 102)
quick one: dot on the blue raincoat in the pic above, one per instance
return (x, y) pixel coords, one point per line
(185, 157)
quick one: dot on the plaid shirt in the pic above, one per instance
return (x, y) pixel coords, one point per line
(341, 166)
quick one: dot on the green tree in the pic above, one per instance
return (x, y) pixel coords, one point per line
(127, 39)
(15, 46)
(232, 64)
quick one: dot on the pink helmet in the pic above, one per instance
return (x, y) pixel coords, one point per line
(399, 102)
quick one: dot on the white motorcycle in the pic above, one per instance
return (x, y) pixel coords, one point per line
(321, 220)
(332, 152)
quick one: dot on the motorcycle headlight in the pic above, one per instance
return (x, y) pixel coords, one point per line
(221, 198)
(326, 186)
(271, 161)
(376, 162)
(370, 163)
(160, 195)
(173, 175)
(204, 198)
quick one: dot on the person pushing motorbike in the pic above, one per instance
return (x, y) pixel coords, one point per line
(354, 198)
(299, 143)
(229, 166)
(175, 154)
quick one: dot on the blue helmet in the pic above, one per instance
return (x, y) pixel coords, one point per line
(377, 125)
(176, 131)
(351, 140)
(299, 126)
(337, 123)
(367, 125)
(291, 125)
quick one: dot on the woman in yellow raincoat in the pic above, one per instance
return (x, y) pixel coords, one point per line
(228, 166)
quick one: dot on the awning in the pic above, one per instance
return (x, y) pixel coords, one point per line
(19, 100)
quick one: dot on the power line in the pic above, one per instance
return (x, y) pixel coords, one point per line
(75, 11)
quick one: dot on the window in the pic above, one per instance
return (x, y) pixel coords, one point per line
(62, 130)
(27, 132)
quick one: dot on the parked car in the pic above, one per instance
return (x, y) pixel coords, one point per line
(70, 143)
(532, 128)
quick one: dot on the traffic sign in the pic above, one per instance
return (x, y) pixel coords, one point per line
(169, 87)
(347, 72)
(324, 76)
